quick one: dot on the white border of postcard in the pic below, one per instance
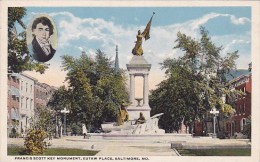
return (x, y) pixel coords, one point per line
(255, 5)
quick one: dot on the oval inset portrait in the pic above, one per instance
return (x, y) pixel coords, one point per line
(41, 37)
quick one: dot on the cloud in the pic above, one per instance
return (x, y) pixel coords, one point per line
(88, 34)
(75, 28)
(239, 21)
(203, 20)
(233, 42)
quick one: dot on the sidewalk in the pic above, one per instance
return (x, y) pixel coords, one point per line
(108, 147)
(133, 147)
(137, 149)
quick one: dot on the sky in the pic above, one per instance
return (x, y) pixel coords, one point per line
(91, 28)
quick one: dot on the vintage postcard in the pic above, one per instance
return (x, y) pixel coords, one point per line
(129, 80)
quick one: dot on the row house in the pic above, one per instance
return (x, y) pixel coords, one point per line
(20, 102)
(25, 93)
(43, 93)
(13, 103)
(27, 102)
(242, 104)
(233, 125)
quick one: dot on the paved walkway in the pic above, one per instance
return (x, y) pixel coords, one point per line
(109, 147)
(137, 149)
(132, 147)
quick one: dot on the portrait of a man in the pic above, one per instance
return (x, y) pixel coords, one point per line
(40, 47)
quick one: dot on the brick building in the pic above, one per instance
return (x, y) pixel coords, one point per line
(242, 104)
(13, 102)
(25, 93)
(233, 125)
(43, 93)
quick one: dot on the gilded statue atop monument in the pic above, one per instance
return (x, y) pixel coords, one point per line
(137, 50)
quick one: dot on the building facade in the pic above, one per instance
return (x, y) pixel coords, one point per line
(27, 84)
(13, 103)
(25, 94)
(43, 93)
(242, 104)
(233, 125)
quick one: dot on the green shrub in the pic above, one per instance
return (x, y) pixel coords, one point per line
(34, 142)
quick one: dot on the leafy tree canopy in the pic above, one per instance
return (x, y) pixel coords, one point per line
(43, 119)
(94, 91)
(196, 82)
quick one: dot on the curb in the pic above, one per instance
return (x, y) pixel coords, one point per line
(177, 153)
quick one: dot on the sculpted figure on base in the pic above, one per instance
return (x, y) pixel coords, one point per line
(137, 50)
(141, 119)
(123, 115)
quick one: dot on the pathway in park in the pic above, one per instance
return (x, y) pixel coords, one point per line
(131, 147)
(109, 147)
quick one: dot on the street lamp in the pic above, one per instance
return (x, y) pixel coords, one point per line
(214, 112)
(65, 111)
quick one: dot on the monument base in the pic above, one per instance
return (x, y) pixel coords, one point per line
(149, 127)
(134, 111)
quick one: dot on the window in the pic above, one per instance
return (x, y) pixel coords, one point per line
(31, 88)
(26, 87)
(244, 89)
(237, 126)
(22, 85)
(26, 102)
(244, 107)
(242, 123)
(31, 104)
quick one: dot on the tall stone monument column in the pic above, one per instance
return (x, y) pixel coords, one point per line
(138, 66)
(145, 89)
(132, 88)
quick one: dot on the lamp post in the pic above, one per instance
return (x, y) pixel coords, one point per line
(214, 112)
(65, 111)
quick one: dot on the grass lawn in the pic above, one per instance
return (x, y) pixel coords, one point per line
(215, 152)
(54, 152)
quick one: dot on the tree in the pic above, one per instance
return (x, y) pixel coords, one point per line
(178, 98)
(43, 119)
(60, 99)
(196, 82)
(19, 59)
(94, 90)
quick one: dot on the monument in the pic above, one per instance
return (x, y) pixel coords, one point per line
(138, 66)
(135, 119)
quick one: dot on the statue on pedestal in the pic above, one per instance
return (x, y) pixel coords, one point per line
(137, 50)
(123, 115)
(141, 119)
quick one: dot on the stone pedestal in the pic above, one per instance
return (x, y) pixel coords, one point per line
(138, 66)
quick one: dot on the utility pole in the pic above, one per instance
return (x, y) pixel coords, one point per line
(214, 112)
(65, 111)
